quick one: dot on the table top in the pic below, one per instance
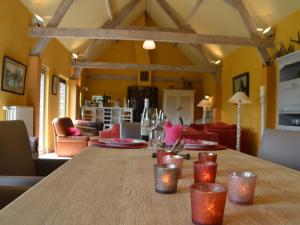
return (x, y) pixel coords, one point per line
(116, 187)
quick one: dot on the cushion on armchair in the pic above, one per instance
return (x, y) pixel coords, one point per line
(73, 131)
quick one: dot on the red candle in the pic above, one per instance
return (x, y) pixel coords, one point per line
(205, 172)
(208, 203)
(207, 157)
(241, 187)
(160, 154)
(174, 159)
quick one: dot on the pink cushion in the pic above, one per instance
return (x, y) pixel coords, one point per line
(172, 133)
(73, 131)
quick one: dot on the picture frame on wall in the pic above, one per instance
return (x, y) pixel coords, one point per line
(54, 84)
(241, 83)
(13, 76)
(144, 78)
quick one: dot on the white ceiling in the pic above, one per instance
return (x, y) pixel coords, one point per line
(212, 17)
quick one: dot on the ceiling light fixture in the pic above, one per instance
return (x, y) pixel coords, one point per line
(74, 57)
(260, 29)
(216, 62)
(149, 45)
(37, 20)
(267, 30)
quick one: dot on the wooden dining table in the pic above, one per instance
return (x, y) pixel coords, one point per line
(116, 187)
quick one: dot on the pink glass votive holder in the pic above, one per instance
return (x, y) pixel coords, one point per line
(208, 203)
(174, 159)
(205, 172)
(241, 187)
(160, 154)
(166, 178)
(207, 157)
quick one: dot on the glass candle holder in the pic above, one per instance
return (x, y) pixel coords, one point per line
(166, 178)
(208, 203)
(205, 172)
(174, 159)
(207, 157)
(160, 154)
(241, 187)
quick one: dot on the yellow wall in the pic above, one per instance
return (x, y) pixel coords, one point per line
(15, 43)
(132, 52)
(248, 60)
(124, 51)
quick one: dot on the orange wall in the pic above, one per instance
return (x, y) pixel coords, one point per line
(124, 51)
(132, 52)
(15, 19)
(248, 60)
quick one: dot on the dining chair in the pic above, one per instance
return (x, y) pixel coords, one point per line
(20, 168)
(282, 147)
(130, 130)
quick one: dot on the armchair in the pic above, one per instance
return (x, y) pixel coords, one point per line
(66, 144)
(20, 168)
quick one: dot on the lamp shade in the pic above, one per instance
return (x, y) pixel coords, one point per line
(149, 45)
(239, 97)
(204, 103)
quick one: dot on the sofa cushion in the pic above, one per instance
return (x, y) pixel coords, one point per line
(73, 131)
(219, 126)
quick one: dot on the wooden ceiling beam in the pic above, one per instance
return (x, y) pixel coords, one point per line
(109, 10)
(241, 8)
(54, 22)
(118, 18)
(184, 24)
(141, 35)
(152, 67)
(179, 22)
(193, 11)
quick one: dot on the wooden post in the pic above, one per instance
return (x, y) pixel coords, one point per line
(33, 89)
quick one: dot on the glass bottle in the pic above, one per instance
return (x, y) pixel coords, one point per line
(145, 121)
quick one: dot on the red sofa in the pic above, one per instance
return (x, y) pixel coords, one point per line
(113, 132)
(191, 133)
(226, 134)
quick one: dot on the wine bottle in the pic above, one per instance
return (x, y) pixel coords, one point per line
(145, 121)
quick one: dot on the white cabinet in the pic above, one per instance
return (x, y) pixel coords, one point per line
(179, 103)
(289, 92)
(108, 115)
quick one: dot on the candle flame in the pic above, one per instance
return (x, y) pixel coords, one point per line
(166, 179)
(210, 207)
(244, 189)
(206, 176)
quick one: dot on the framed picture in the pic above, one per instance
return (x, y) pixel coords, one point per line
(241, 83)
(54, 84)
(13, 76)
(144, 78)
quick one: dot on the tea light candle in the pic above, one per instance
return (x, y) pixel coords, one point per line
(160, 154)
(241, 187)
(205, 172)
(166, 178)
(174, 159)
(207, 157)
(208, 203)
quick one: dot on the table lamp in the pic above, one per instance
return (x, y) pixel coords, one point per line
(238, 99)
(204, 103)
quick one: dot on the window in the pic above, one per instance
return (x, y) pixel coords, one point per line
(62, 98)
(42, 111)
